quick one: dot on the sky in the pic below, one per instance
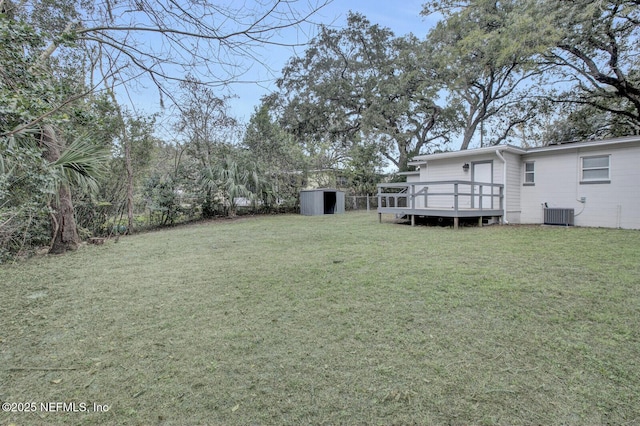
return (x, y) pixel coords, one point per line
(401, 16)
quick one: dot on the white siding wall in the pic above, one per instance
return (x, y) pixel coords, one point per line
(557, 183)
(514, 183)
(413, 177)
(451, 169)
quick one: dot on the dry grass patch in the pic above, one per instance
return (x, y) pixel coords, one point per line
(339, 319)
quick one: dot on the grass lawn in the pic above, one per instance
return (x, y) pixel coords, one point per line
(328, 320)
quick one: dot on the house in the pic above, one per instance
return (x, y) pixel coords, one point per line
(325, 178)
(594, 183)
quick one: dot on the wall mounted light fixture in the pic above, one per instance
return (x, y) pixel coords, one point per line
(465, 167)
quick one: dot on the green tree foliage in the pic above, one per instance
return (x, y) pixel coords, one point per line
(219, 171)
(578, 122)
(56, 55)
(360, 82)
(24, 211)
(23, 170)
(363, 169)
(204, 122)
(36, 109)
(169, 191)
(161, 193)
(233, 179)
(136, 141)
(582, 54)
(483, 51)
(276, 153)
(596, 48)
(205, 127)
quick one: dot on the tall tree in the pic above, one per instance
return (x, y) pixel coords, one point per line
(80, 164)
(203, 120)
(36, 106)
(361, 80)
(205, 128)
(276, 151)
(580, 53)
(136, 143)
(483, 50)
(596, 49)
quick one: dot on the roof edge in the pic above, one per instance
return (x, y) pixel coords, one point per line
(584, 144)
(421, 159)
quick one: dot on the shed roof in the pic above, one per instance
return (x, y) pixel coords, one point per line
(321, 190)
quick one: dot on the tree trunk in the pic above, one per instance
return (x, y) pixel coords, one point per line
(63, 223)
(403, 157)
(127, 164)
(129, 167)
(474, 117)
(66, 232)
(468, 135)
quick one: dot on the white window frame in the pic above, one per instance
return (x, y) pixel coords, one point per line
(598, 179)
(531, 173)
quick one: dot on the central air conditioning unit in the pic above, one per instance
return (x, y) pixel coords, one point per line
(559, 217)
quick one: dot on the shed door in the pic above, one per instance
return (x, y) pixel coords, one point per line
(482, 172)
(330, 201)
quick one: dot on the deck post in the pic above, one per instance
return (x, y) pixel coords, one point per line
(472, 188)
(412, 194)
(400, 198)
(456, 221)
(455, 198)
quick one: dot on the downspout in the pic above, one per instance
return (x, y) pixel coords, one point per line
(504, 183)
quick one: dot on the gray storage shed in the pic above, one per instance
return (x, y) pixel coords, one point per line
(315, 202)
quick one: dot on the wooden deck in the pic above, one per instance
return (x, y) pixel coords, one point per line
(455, 199)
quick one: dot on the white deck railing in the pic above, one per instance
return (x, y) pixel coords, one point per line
(452, 195)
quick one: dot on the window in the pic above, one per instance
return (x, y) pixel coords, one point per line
(595, 169)
(529, 173)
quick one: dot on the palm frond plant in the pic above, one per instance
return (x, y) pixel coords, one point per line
(230, 180)
(80, 164)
